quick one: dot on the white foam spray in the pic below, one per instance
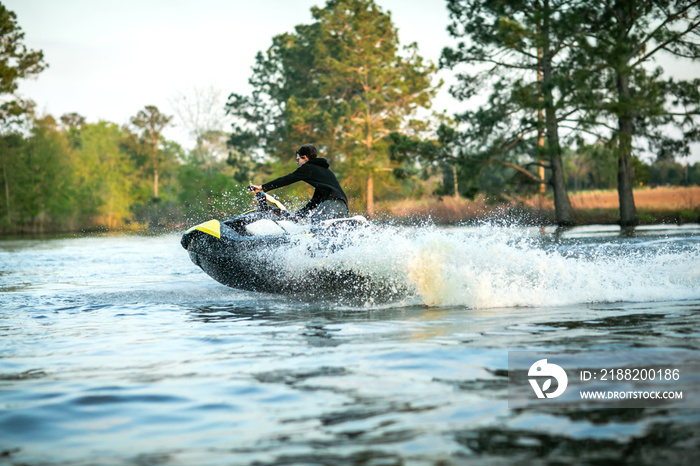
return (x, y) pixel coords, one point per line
(491, 266)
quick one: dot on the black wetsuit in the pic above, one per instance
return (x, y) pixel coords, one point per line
(328, 191)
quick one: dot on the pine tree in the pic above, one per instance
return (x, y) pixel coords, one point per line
(622, 39)
(152, 123)
(518, 51)
(342, 83)
(16, 63)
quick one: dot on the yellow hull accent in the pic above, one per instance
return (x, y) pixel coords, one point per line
(212, 227)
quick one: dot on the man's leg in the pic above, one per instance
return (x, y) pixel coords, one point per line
(329, 209)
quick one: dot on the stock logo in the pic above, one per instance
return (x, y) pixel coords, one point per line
(544, 369)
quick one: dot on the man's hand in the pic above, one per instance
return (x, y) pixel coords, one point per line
(254, 188)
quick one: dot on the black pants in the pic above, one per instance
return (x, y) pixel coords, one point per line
(332, 208)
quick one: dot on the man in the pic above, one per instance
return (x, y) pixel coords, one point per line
(328, 201)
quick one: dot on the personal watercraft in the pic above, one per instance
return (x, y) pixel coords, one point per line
(262, 249)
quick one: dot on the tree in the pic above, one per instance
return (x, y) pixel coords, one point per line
(152, 123)
(521, 54)
(11, 146)
(621, 42)
(591, 166)
(73, 122)
(47, 197)
(341, 82)
(16, 62)
(104, 176)
(201, 112)
(436, 155)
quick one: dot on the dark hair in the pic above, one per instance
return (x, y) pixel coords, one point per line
(308, 151)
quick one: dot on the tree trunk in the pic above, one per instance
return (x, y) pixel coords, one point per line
(368, 157)
(628, 211)
(155, 165)
(564, 213)
(370, 194)
(540, 169)
(540, 126)
(109, 214)
(454, 176)
(155, 184)
(7, 190)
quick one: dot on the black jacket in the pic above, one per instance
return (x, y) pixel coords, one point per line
(317, 174)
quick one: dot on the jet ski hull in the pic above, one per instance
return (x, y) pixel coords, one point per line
(232, 259)
(268, 263)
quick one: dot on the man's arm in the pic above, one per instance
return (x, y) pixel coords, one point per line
(300, 174)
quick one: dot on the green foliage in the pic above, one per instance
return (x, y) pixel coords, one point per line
(151, 123)
(105, 176)
(595, 167)
(669, 172)
(520, 53)
(591, 166)
(618, 44)
(82, 175)
(585, 65)
(206, 194)
(342, 83)
(39, 194)
(425, 158)
(11, 146)
(51, 177)
(245, 169)
(16, 62)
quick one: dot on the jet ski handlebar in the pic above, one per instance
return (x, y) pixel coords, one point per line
(263, 198)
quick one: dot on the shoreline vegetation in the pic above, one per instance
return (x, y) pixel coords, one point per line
(553, 124)
(662, 205)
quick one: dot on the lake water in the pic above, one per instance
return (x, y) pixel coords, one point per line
(118, 350)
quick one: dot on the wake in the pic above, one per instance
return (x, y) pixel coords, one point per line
(492, 266)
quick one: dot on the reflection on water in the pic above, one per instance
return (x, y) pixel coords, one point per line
(117, 350)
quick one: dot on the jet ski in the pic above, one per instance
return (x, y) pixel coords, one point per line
(259, 250)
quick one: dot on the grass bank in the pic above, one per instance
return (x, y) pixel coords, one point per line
(654, 206)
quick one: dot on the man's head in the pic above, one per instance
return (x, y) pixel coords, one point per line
(306, 153)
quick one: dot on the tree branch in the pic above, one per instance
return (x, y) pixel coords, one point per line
(674, 38)
(520, 169)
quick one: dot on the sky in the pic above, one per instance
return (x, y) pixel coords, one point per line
(108, 59)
